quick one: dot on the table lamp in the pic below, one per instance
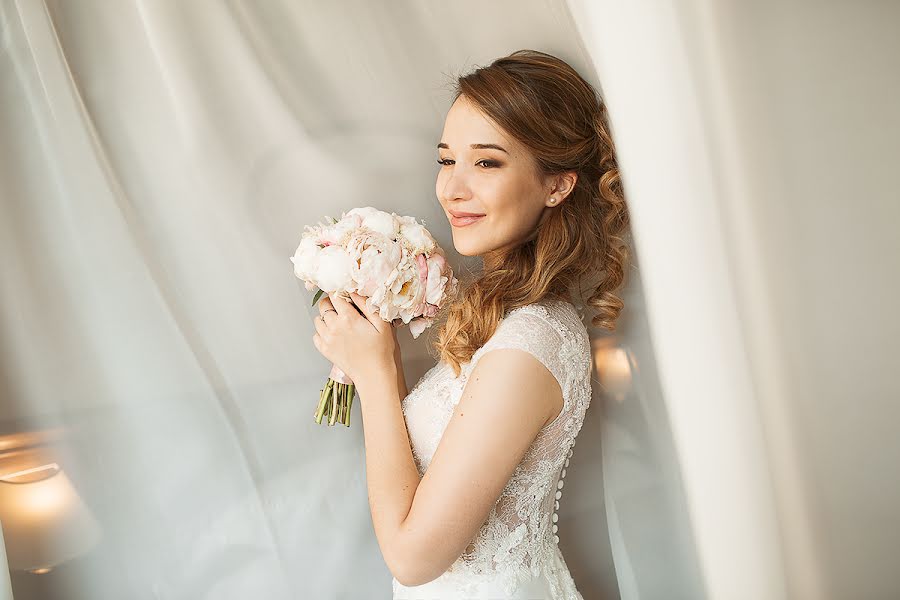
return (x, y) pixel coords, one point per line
(44, 520)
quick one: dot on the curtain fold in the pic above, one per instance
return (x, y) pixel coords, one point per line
(758, 148)
(158, 163)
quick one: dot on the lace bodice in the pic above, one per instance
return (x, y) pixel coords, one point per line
(519, 538)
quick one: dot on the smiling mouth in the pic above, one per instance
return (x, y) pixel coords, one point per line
(463, 221)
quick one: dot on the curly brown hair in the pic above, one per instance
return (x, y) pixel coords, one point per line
(542, 102)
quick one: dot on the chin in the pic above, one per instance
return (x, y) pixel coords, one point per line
(466, 247)
(465, 251)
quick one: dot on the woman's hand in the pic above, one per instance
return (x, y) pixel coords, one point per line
(362, 346)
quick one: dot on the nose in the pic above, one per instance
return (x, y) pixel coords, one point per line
(453, 185)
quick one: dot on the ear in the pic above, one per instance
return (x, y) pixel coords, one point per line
(561, 186)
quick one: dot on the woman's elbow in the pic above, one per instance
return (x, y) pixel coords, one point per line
(413, 571)
(418, 559)
(407, 574)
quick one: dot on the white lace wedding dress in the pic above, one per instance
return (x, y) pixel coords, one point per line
(515, 553)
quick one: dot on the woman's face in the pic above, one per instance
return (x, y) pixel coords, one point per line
(500, 183)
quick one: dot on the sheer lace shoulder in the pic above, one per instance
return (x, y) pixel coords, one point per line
(529, 328)
(518, 540)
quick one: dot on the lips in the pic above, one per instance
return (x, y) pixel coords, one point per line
(464, 221)
(461, 219)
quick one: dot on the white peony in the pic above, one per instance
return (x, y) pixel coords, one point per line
(306, 257)
(337, 233)
(377, 220)
(334, 269)
(419, 238)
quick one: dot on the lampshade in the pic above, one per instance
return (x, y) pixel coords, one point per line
(44, 520)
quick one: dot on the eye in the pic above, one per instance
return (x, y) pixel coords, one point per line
(489, 164)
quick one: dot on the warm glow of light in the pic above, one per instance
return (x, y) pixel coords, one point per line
(613, 367)
(45, 521)
(43, 499)
(11, 477)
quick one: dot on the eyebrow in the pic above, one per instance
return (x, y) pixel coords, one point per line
(477, 146)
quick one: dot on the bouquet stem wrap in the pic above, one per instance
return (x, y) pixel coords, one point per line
(336, 398)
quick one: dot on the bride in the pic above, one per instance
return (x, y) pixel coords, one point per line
(465, 472)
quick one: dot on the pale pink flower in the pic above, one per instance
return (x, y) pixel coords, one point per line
(438, 275)
(375, 258)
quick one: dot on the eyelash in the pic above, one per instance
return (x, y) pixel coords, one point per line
(490, 164)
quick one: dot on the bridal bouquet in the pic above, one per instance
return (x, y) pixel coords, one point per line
(390, 260)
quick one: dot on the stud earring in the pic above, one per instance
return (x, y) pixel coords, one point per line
(552, 200)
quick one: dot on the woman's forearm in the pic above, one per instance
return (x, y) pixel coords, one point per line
(401, 381)
(401, 377)
(391, 473)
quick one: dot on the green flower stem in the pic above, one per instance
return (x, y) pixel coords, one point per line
(336, 401)
(321, 406)
(325, 408)
(350, 393)
(323, 401)
(346, 414)
(335, 398)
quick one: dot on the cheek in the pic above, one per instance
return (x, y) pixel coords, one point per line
(504, 198)
(518, 206)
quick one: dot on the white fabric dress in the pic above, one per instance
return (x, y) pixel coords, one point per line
(515, 553)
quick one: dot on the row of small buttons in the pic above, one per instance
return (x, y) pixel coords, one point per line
(559, 487)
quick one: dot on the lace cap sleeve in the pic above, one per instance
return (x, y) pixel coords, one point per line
(526, 328)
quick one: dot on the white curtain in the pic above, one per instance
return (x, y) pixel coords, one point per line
(758, 142)
(158, 161)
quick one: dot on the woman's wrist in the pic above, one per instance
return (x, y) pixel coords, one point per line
(378, 377)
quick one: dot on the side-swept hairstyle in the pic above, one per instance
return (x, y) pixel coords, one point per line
(546, 105)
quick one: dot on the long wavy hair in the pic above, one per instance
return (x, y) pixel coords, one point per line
(542, 102)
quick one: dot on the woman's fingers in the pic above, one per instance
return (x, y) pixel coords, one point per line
(325, 305)
(371, 315)
(321, 326)
(341, 305)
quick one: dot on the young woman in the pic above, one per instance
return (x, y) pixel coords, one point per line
(465, 472)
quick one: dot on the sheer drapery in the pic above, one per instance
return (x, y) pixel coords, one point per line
(158, 162)
(759, 146)
(159, 159)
